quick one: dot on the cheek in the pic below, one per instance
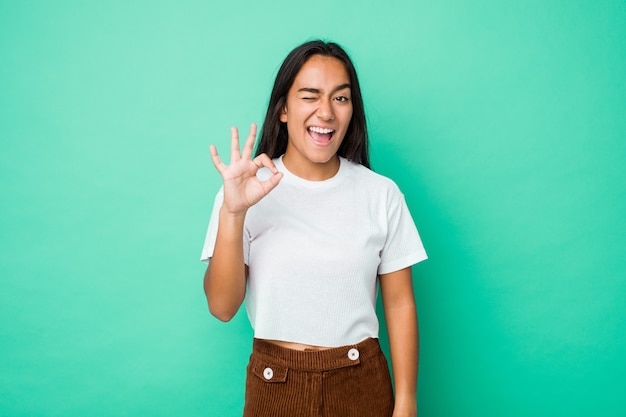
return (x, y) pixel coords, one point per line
(348, 117)
(292, 131)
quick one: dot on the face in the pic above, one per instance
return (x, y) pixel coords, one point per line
(317, 113)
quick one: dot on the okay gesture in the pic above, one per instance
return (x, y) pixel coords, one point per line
(242, 188)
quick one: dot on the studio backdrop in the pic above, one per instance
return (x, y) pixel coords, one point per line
(503, 122)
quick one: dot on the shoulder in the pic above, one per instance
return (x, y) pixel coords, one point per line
(373, 181)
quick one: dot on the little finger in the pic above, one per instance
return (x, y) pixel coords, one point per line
(215, 158)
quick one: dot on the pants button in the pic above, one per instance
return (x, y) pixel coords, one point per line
(353, 354)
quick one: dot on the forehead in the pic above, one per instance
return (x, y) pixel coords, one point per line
(322, 72)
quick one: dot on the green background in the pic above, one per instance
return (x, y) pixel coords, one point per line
(504, 123)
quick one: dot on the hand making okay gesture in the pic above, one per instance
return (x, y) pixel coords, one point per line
(242, 188)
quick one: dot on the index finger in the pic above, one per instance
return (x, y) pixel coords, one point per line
(265, 161)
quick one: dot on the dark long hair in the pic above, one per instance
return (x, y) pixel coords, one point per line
(274, 134)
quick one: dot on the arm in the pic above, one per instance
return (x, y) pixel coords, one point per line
(225, 278)
(401, 317)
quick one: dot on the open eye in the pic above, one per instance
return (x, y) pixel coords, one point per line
(342, 99)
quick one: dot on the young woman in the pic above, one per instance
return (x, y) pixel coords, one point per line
(304, 231)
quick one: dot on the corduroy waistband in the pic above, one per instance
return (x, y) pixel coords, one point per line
(316, 360)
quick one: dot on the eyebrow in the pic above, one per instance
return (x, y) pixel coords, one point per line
(318, 91)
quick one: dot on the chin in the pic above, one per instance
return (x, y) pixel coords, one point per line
(322, 159)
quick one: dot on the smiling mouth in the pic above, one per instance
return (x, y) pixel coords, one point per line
(321, 135)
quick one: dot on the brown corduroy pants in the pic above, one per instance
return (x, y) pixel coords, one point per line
(348, 381)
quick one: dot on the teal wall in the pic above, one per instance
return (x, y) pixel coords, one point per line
(502, 121)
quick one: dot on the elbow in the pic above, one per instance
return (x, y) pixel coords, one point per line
(223, 302)
(220, 307)
(221, 312)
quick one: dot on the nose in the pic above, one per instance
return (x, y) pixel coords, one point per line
(325, 110)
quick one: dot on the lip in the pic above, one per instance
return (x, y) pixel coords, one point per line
(321, 127)
(321, 143)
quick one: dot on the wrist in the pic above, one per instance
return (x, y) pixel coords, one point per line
(232, 216)
(231, 224)
(405, 394)
(405, 406)
(406, 399)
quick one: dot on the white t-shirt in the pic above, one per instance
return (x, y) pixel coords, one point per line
(314, 251)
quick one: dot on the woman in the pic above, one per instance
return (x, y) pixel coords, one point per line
(304, 231)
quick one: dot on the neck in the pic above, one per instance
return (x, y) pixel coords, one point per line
(312, 171)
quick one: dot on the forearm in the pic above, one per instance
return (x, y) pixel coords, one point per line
(225, 278)
(401, 317)
(404, 346)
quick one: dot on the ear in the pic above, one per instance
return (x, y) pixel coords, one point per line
(283, 115)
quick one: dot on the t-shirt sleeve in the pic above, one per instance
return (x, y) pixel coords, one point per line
(211, 234)
(403, 246)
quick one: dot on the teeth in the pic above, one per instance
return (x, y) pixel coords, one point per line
(320, 130)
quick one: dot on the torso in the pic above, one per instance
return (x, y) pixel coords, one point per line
(296, 346)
